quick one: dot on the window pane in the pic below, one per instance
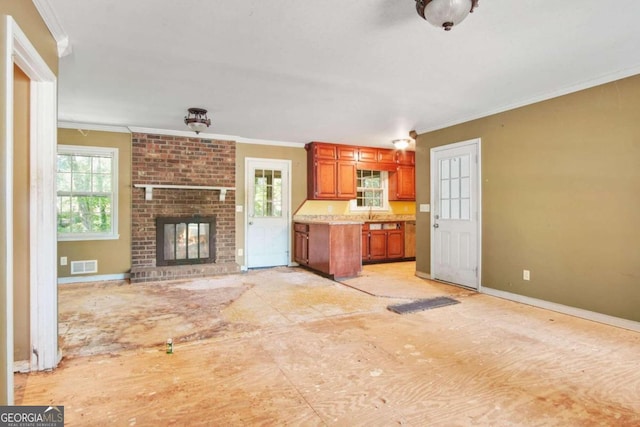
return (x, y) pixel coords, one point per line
(63, 181)
(81, 164)
(444, 189)
(464, 187)
(81, 182)
(102, 165)
(464, 168)
(444, 169)
(455, 188)
(455, 167)
(444, 209)
(64, 163)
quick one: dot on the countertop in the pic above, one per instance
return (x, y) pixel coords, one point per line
(351, 219)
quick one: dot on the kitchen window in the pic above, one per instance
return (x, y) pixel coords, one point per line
(372, 193)
(87, 198)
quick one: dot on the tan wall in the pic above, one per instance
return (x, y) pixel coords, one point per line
(21, 215)
(114, 256)
(27, 17)
(298, 157)
(560, 187)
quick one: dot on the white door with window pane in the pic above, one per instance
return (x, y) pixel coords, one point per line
(268, 223)
(455, 236)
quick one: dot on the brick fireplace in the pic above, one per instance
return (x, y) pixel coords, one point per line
(190, 162)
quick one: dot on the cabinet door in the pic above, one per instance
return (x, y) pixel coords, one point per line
(386, 156)
(324, 151)
(325, 179)
(368, 155)
(346, 180)
(402, 183)
(347, 152)
(406, 157)
(395, 244)
(365, 246)
(378, 244)
(406, 182)
(301, 248)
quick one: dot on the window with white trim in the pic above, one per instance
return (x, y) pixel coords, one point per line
(87, 192)
(371, 193)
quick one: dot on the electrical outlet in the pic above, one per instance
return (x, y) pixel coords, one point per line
(240, 252)
(63, 260)
(526, 275)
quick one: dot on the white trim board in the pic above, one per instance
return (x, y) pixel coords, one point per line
(565, 309)
(97, 278)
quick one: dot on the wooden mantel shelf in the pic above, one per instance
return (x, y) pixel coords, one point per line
(148, 189)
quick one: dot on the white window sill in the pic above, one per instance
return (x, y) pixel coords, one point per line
(85, 237)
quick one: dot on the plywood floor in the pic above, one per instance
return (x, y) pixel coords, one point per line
(286, 347)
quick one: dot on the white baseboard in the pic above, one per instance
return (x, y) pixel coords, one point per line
(565, 309)
(97, 278)
(21, 366)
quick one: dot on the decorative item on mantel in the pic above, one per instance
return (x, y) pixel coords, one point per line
(197, 120)
(445, 13)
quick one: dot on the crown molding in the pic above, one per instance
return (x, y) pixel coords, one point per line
(52, 21)
(219, 137)
(90, 126)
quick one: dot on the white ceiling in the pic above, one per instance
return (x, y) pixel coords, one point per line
(350, 71)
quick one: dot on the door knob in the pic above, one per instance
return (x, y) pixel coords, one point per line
(250, 222)
(436, 225)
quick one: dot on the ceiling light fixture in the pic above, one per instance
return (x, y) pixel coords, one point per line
(197, 120)
(401, 144)
(445, 13)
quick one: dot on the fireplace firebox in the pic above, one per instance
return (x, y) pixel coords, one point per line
(185, 240)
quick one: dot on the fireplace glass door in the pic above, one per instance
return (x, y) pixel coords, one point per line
(185, 240)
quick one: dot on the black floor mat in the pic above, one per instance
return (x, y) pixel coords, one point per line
(422, 304)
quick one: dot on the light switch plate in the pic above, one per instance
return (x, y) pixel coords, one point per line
(425, 207)
(238, 208)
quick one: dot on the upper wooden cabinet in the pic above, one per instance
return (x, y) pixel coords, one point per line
(406, 157)
(332, 170)
(402, 183)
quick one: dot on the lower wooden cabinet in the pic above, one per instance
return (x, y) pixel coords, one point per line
(331, 248)
(382, 241)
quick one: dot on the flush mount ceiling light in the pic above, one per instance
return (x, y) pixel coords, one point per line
(445, 13)
(401, 144)
(197, 120)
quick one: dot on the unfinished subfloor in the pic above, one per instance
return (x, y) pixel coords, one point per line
(286, 347)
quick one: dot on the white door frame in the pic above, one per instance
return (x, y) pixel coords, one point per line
(247, 180)
(478, 143)
(42, 219)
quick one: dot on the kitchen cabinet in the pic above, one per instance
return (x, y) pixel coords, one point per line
(382, 241)
(410, 240)
(402, 183)
(331, 248)
(301, 243)
(331, 172)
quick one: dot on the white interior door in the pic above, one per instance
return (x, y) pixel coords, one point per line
(455, 201)
(268, 207)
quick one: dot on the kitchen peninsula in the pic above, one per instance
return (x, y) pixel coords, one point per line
(331, 247)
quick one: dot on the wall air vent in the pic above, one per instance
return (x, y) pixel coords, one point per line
(84, 267)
